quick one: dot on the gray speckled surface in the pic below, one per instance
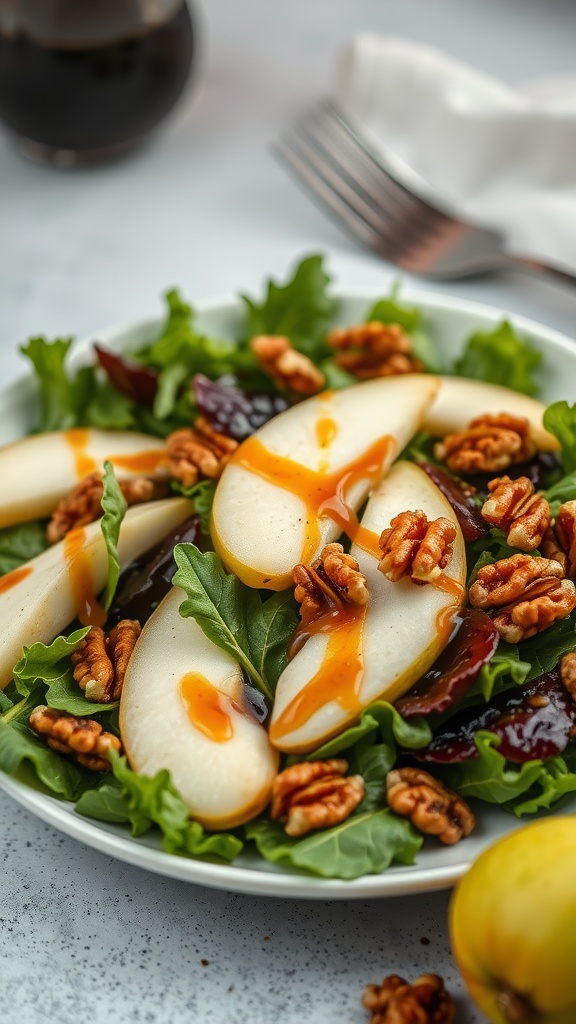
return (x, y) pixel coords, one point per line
(84, 937)
(79, 930)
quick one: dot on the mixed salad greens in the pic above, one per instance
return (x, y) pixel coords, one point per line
(165, 385)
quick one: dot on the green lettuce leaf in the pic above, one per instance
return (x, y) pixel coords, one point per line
(560, 491)
(145, 802)
(555, 781)
(18, 544)
(364, 844)
(489, 777)
(46, 663)
(301, 309)
(545, 649)
(234, 617)
(20, 747)
(500, 356)
(114, 504)
(202, 494)
(505, 669)
(560, 419)
(58, 404)
(378, 722)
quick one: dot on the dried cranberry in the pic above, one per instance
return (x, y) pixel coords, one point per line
(532, 721)
(232, 411)
(137, 382)
(146, 581)
(455, 671)
(467, 512)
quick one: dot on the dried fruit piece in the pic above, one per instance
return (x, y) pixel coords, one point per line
(467, 512)
(457, 668)
(232, 411)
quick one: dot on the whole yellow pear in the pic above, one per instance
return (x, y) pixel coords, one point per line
(513, 925)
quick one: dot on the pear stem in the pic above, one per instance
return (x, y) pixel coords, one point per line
(516, 1009)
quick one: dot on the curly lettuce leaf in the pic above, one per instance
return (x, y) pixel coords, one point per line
(560, 419)
(301, 309)
(22, 752)
(18, 544)
(114, 504)
(46, 663)
(500, 356)
(378, 722)
(145, 802)
(504, 670)
(555, 781)
(489, 777)
(234, 616)
(364, 844)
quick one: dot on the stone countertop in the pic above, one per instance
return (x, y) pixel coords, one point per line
(206, 207)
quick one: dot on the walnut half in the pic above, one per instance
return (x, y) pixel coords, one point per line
(413, 546)
(333, 579)
(100, 662)
(432, 809)
(396, 1001)
(289, 369)
(315, 794)
(80, 738)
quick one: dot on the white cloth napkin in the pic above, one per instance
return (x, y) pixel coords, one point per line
(504, 157)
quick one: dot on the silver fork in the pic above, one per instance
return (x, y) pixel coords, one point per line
(386, 206)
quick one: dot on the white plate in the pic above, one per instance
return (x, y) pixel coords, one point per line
(450, 321)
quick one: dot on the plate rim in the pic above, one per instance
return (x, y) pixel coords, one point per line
(274, 881)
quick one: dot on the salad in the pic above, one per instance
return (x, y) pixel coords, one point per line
(294, 592)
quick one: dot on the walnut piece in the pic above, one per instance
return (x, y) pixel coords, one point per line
(82, 504)
(565, 534)
(315, 794)
(332, 580)
(432, 808)
(100, 662)
(515, 508)
(198, 451)
(79, 738)
(489, 443)
(413, 546)
(396, 1001)
(529, 593)
(568, 673)
(289, 369)
(374, 349)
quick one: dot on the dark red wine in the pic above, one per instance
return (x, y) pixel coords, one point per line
(90, 97)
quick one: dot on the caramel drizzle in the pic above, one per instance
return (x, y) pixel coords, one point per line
(78, 438)
(138, 462)
(324, 494)
(14, 577)
(86, 605)
(206, 707)
(340, 675)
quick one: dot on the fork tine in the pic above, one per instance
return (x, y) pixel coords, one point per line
(321, 190)
(346, 199)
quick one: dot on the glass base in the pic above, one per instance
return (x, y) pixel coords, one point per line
(56, 156)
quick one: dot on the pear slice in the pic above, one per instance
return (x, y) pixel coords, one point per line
(297, 482)
(40, 598)
(183, 709)
(460, 400)
(377, 652)
(38, 471)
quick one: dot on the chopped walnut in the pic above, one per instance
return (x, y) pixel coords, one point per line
(289, 369)
(82, 504)
(374, 349)
(315, 794)
(529, 594)
(489, 444)
(568, 673)
(396, 1001)
(79, 738)
(197, 452)
(515, 508)
(432, 808)
(333, 579)
(565, 533)
(100, 662)
(413, 546)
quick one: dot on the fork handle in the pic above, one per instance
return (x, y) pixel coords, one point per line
(536, 267)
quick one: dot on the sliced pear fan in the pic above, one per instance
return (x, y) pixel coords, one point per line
(337, 674)
(38, 471)
(460, 400)
(183, 709)
(279, 499)
(42, 597)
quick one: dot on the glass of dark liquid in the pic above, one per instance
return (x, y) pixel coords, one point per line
(82, 81)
